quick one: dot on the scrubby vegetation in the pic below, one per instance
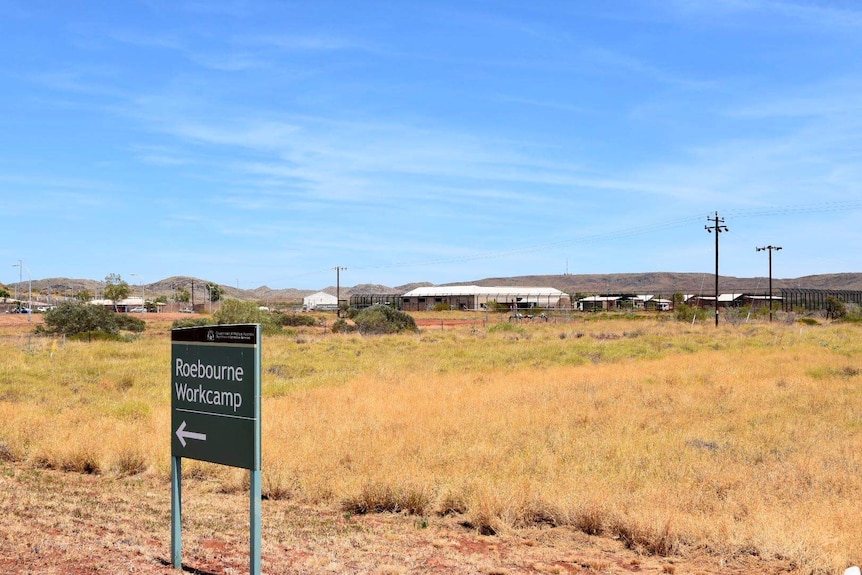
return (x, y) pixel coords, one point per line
(382, 319)
(734, 441)
(341, 325)
(688, 313)
(191, 322)
(86, 321)
(234, 311)
(297, 319)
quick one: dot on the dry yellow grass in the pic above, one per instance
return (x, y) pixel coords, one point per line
(739, 441)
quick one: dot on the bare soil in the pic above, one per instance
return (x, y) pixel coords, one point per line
(22, 320)
(53, 522)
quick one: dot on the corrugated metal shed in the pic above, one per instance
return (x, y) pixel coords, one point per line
(319, 300)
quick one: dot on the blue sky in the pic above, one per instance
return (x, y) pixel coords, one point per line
(264, 143)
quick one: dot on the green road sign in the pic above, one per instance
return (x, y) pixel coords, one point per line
(215, 394)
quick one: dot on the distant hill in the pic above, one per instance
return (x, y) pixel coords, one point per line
(669, 282)
(656, 283)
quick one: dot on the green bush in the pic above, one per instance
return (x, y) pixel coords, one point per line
(835, 308)
(73, 318)
(853, 313)
(297, 320)
(381, 319)
(493, 305)
(191, 322)
(685, 312)
(341, 326)
(90, 336)
(130, 323)
(506, 327)
(234, 311)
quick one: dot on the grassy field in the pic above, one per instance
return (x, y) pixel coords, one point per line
(736, 442)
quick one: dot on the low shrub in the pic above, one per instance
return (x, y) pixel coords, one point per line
(297, 320)
(382, 319)
(191, 322)
(504, 327)
(234, 311)
(342, 326)
(127, 322)
(72, 318)
(687, 313)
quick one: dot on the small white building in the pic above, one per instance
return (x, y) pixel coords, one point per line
(320, 301)
(129, 304)
(598, 302)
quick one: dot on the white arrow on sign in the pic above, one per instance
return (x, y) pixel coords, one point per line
(183, 434)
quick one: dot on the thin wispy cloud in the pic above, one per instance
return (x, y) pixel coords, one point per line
(305, 43)
(611, 61)
(442, 142)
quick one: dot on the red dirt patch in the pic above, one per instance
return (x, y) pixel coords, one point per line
(70, 524)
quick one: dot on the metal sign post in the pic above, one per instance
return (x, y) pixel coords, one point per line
(215, 414)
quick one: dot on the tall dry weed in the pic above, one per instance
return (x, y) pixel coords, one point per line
(734, 440)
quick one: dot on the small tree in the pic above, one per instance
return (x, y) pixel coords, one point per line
(153, 305)
(182, 296)
(215, 291)
(4, 293)
(84, 295)
(116, 288)
(72, 318)
(77, 319)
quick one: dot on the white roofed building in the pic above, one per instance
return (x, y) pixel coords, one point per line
(598, 302)
(478, 297)
(123, 305)
(320, 301)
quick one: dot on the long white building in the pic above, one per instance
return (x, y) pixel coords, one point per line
(477, 297)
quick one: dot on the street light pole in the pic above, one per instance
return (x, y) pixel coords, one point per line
(20, 281)
(20, 265)
(771, 249)
(338, 290)
(143, 299)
